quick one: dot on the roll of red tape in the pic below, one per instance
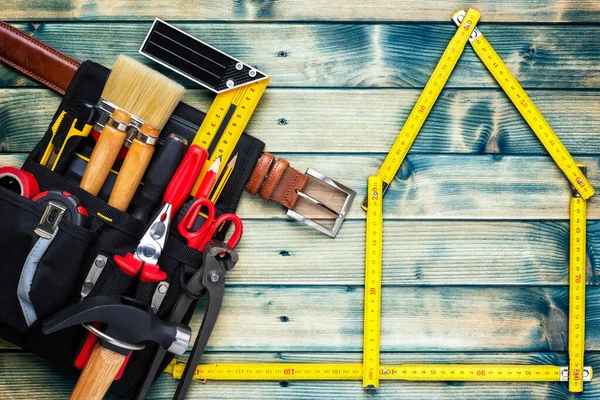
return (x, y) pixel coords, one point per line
(19, 181)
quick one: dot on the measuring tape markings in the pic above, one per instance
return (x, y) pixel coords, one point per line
(373, 260)
(230, 112)
(528, 110)
(577, 282)
(354, 372)
(426, 100)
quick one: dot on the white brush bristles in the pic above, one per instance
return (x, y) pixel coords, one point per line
(141, 91)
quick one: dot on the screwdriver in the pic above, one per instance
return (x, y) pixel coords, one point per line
(159, 174)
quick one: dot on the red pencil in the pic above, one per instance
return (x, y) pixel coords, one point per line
(209, 179)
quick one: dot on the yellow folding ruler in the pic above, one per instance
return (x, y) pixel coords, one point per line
(528, 110)
(373, 260)
(426, 100)
(577, 282)
(230, 112)
(354, 372)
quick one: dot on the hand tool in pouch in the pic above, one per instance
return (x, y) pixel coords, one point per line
(136, 95)
(128, 325)
(74, 212)
(159, 175)
(133, 168)
(426, 100)
(577, 282)
(208, 280)
(373, 261)
(68, 131)
(143, 263)
(402, 372)
(528, 110)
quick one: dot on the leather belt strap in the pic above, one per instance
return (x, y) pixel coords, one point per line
(35, 59)
(273, 180)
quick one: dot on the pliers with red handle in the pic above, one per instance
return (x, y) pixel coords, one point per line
(149, 249)
(144, 259)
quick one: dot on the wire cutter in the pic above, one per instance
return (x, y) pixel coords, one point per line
(149, 249)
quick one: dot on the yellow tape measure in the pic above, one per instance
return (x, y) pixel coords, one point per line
(426, 100)
(528, 110)
(354, 372)
(577, 281)
(235, 107)
(373, 259)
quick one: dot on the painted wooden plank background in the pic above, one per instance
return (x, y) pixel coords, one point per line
(355, 55)
(476, 230)
(284, 10)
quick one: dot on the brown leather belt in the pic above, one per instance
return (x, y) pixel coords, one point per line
(274, 180)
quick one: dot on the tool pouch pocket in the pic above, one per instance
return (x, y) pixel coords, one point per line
(37, 277)
(64, 265)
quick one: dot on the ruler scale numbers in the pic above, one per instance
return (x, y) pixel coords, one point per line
(228, 115)
(426, 100)
(577, 282)
(354, 372)
(373, 260)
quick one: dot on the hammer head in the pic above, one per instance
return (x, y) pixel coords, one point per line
(126, 321)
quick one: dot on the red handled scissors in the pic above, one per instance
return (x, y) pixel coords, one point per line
(200, 237)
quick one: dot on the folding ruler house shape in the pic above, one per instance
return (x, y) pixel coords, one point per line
(371, 371)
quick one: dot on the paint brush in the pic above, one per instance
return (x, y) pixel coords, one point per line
(136, 92)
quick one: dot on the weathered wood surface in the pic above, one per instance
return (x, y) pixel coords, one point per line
(434, 187)
(57, 385)
(308, 120)
(450, 187)
(476, 231)
(354, 55)
(327, 10)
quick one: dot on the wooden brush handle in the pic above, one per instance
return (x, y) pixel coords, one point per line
(98, 374)
(130, 175)
(105, 153)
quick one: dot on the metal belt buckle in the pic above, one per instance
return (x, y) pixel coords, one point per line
(340, 215)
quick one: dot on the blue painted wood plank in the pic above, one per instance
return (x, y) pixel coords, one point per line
(316, 120)
(431, 318)
(286, 10)
(354, 55)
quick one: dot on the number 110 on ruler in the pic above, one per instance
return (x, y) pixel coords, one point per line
(372, 329)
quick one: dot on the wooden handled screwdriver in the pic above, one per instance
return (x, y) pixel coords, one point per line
(139, 91)
(133, 168)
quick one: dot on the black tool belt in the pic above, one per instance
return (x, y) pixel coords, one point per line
(62, 267)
